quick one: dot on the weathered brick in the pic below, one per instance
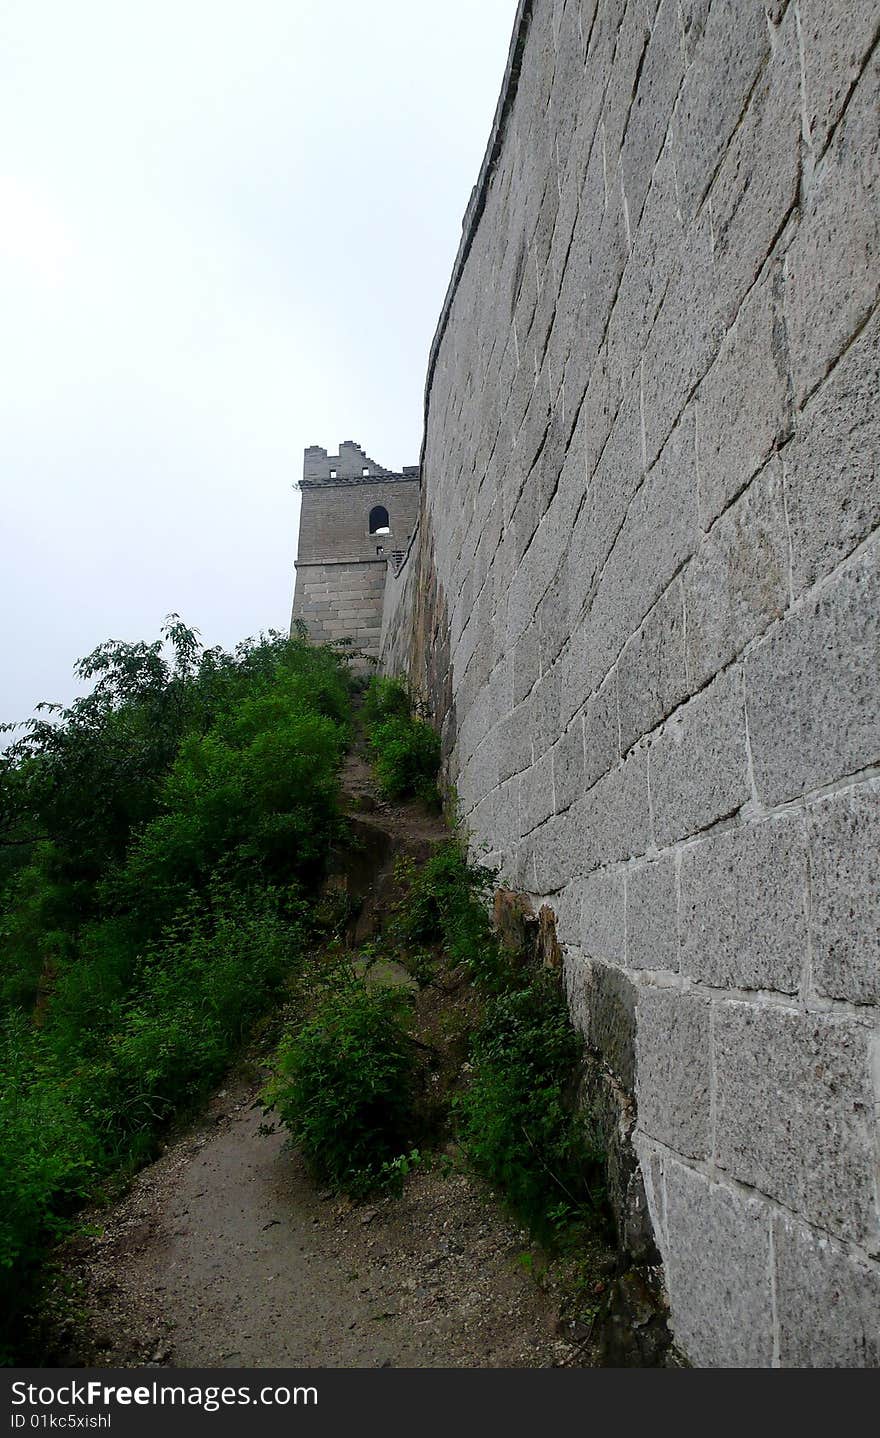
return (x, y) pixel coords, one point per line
(832, 275)
(652, 916)
(743, 906)
(672, 1051)
(738, 581)
(844, 838)
(812, 685)
(698, 763)
(718, 1272)
(743, 405)
(609, 1004)
(828, 1303)
(794, 1113)
(832, 471)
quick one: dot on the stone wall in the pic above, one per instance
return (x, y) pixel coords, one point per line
(648, 616)
(341, 601)
(341, 563)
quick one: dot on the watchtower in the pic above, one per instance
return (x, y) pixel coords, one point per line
(356, 517)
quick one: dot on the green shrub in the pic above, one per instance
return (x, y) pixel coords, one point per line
(447, 901)
(172, 824)
(519, 1124)
(345, 1084)
(406, 750)
(385, 699)
(406, 757)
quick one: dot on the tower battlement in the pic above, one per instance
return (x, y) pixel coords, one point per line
(355, 516)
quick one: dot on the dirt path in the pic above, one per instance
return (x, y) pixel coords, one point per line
(223, 1254)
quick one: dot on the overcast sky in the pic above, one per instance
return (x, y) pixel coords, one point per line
(226, 230)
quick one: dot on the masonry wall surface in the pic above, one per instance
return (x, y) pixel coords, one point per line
(649, 560)
(341, 563)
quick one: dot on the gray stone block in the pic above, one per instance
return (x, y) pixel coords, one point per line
(536, 794)
(743, 409)
(610, 1004)
(738, 580)
(651, 671)
(612, 821)
(698, 763)
(526, 664)
(733, 46)
(600, 733)
(657, 535)
(844, 839)
(812, 685)
(832, 474)
(655, 256)
(718, 1272)
(794, 1113)
(832, 276)
(602, 916)
(684, 340)
(658, 81)
(554, 860)
(673, 1067)
(652, 916)
(568, 765)
(514, 743)
(828, 1303)
(743, 907)
(756, 186)
(836, 39)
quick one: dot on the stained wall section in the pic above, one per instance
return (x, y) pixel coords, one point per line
(651, 499)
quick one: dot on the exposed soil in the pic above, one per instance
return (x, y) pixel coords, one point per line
(222, 1253)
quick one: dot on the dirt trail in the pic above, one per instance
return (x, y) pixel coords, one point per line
(223, 1254)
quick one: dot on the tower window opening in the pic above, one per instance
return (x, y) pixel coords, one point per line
(379, 521)
(365, 472)
(333, 474)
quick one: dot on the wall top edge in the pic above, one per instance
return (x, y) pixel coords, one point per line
(477, 202)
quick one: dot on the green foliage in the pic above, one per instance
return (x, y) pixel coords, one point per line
(406, 750)
(386, 699)
(447, 902)
(519, 1123)
(345, 1087)
(159, 844)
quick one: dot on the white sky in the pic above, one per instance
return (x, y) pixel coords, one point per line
(226, 230)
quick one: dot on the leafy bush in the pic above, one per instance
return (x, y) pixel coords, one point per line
(345, 1086)
(406, 757)
(406, 750)
(159, 843)
(518, 1119)
(519, 1124)
(386, 699)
